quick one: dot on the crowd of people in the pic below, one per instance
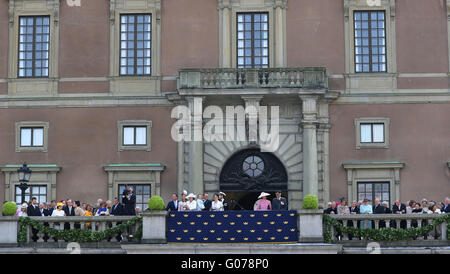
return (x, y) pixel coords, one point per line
(365, 207)
(201, 202)
(126, 206)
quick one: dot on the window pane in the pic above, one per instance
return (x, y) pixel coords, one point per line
(378, 133)
(128, 136)
(141, 135)
(38, 137)
(366, 133)
(25, 137)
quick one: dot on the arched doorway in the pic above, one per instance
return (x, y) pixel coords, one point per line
(249, 172)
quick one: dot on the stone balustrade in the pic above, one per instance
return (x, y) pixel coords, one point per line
(94, 223)
(436, 236)
(231, 78)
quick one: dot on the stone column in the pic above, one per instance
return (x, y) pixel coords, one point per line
(280, 15)
(310, 166)
(196, 145)
(224, 32)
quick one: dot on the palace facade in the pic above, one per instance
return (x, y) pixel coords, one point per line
(87, 90)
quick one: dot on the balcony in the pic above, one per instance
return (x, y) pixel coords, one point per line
(307, 78)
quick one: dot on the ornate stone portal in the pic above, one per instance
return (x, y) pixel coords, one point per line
(302, 97)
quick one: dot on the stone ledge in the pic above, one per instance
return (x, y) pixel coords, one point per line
(233, 249)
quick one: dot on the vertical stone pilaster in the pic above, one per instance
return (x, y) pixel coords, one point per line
(280, 33)
(224, 33)
(310, 164)
(196, 184)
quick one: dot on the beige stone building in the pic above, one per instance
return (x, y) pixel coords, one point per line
(87, 93)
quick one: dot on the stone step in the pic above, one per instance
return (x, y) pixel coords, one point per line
(232, 248)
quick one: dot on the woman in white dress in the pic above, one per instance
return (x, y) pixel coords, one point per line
(216, 205)
(191, 205)
(23, 210)
(59, 212)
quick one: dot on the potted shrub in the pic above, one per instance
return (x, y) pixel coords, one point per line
(154, 222)
(310, 220)
(8, 224)
(9, 209)
(156, 203)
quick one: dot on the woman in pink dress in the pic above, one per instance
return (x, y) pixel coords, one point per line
(264, 204)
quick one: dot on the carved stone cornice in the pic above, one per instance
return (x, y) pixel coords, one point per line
(133, 5)
(16, 6)
(222, 4)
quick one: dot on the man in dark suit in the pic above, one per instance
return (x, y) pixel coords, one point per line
(33, 208)
(399, 208)
(446, 208)
(129, 202)
(207, 202)
(173, 205)
(378, 208)
(332, 209)
(279, 203)
(117, 208)
(70, 211)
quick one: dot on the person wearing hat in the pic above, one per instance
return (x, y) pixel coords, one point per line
(23, 210)
(366, 208)
(279, 203)
(59, 212)
(224, 202)
(191, 205)
(264, 204)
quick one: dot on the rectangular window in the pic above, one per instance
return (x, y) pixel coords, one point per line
(134, 135)
(370, 41)
(38, 191)
(372, 133)
(32, 137)
(142, 193)
(374, 190)
(135, 44)
(252, 40)
(34, 43)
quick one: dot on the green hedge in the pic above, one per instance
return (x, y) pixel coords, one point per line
(9, 209)
(310, 202)
(77, 235)
(386, 234)
(156, 203)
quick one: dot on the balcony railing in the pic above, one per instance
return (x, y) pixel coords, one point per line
(94, 223)
(438, 235)
(229, 78)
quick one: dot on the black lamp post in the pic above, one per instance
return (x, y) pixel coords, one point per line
(24, 177)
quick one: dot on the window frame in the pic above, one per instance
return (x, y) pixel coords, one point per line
(135, 41)
(384, 80)
(371, 120)
(132, 85)
(253, 13)
(144, 204)
(371, 133)
(134, 123)
(33, 51)
(373, 183)
(31, 124)
(32, 136)
(33, 85)
(134, 127)
(370, 54)
(30, 187)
